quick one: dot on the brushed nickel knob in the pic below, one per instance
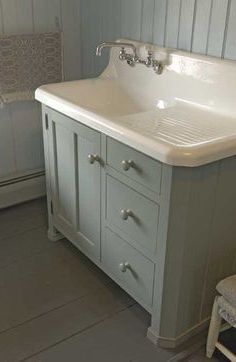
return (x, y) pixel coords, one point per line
(124, 267)
(127, 164)
(93, 158)
(125, 214)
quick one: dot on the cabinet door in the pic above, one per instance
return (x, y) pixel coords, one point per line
(75, 181)
(62, 159)
(89, 189)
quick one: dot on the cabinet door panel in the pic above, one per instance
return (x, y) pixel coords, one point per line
(62, 160)
(88, 185)
(75, 182)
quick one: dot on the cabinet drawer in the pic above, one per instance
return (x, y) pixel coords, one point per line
(134, 164)
(128, 267)
(136, 216)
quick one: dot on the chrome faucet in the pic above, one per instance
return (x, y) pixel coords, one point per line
(132, 59)
(110, 44)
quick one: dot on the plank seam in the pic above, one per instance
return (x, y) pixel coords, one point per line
(180, 13)
(32, 12)
(153, 20)
(1, 14)
(166, 20)
(209, 28)
(226, 28)
(194, 23)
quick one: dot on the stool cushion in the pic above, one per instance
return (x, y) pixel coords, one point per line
(227, 288)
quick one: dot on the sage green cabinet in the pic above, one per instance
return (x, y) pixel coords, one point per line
(74, 180)
(165, 234)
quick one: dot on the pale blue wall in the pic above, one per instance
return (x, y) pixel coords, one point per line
(201, 26)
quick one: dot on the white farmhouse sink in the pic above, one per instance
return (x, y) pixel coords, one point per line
(184, 117)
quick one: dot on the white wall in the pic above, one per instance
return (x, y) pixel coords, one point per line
(21, 149)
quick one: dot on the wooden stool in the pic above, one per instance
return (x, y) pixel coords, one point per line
(224, 308)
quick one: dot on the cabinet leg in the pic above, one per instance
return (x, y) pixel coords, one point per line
(54, 234)
(152, 336)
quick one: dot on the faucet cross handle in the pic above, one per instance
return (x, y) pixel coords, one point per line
(149, 62)
(122, 54)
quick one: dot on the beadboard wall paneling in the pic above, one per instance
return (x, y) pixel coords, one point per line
(147, 21)
(185, 32)
(217, 27)
(201, 26)
(20, 123)
(159, 22)
(100, 20)
(131, 18)
(172, 23)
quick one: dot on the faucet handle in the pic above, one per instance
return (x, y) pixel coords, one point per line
(122, 55)
(158, 67)
(149, 62)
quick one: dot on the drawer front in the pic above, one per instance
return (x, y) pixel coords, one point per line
(128, 267)
(134, 164)
(136, 216)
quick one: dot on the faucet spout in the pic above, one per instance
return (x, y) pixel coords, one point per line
(115, 45)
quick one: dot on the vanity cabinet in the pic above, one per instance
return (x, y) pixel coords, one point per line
(165, 234)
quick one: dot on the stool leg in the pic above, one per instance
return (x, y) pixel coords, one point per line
(214, 330)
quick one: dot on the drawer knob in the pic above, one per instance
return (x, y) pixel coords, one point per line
(127, 164)
(124, 267)
(93, 158)
(126, 213)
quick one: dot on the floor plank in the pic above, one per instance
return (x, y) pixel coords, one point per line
(118, 339)
(18, 219)
(57, 325)
(56, 305)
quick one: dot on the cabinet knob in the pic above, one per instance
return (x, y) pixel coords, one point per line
(124, 267)
(93, 158)
(126, 213)
(127, 164)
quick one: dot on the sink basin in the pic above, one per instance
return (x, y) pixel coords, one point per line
(99, 96)
(184, 117)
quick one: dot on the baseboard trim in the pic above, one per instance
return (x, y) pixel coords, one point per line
(171, 343)
(22, 190)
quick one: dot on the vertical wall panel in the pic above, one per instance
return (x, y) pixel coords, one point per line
(47, 15)
(28, 136)
(217, 27)
(172, 23)
(91, 30)
(159, 22)
(201, 26)
(17, 16)
(131, 18)
(230, 46)
(105, 23)
(110, 20)
(186, 24)
(147, 20)
(110, 28)
(70, 16)
(7, 159)
(1, 18)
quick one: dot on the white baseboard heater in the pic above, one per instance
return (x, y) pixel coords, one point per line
(22, 188)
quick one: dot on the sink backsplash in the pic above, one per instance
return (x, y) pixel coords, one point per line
(196, 79)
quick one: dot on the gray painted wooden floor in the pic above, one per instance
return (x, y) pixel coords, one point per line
(57, 306)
